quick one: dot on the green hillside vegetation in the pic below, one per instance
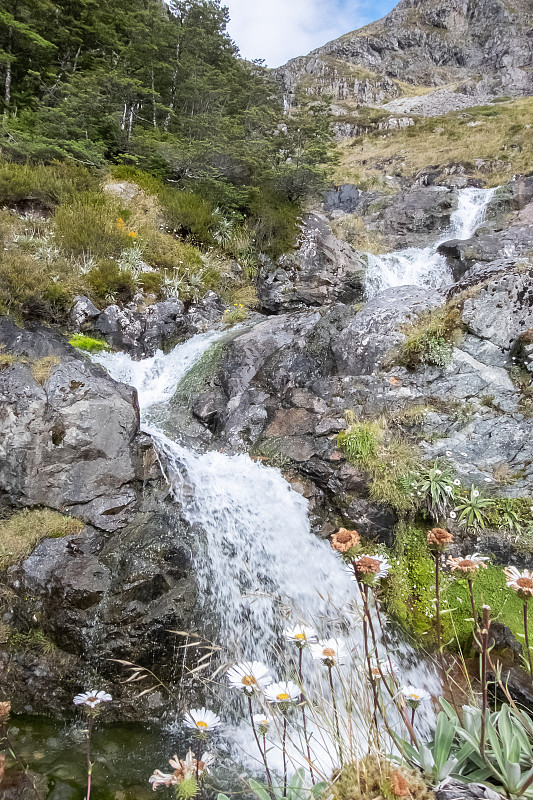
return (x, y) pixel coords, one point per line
(494, 142)
(156, 96)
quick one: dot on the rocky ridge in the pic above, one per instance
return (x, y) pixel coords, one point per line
(469, 52)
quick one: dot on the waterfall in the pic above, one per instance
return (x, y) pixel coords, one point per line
(424, 266)
(258, 566)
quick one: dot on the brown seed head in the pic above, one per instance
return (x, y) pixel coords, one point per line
(343, 540)
(465, 565)
(438, 538)
(367, 566)
(526, 586)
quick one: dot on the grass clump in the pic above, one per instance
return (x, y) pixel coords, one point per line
(87, 343)
(42, 368)
(47, 185)
(25, 529)
(375, 777)
(386, 456)
(32, 641)
(430, 339)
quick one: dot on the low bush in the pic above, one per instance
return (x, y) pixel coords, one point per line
(25, 529)
(92, 224)
(430, 339)
(109, 283)
(187, 214)
(49, 185)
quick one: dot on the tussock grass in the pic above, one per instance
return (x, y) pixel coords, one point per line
(503, 137)
(25, 529)
(42, 368)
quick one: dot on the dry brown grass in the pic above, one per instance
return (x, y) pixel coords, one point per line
(43, 368)
(503, 137)
(25, 529)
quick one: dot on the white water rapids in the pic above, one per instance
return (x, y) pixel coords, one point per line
(258, 566)
(424, 266)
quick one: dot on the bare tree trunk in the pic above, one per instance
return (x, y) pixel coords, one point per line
(154, 116)
(7, 84)
(173, 89)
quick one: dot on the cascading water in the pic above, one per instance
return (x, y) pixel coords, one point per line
(425, 267)
(258, 566)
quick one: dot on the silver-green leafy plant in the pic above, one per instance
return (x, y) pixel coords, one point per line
(437, 489)
(473, 509)
(297, 789)
(441, 757)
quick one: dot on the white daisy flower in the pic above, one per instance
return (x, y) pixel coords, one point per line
(521, 582)
(448, 452)
(201, 719)
(262, 722)
(301, 635)
(330, 651)
(475, 493)
(249, 675)
(283, 692)
(438, 472)
(413, 697)
(92, 698)
(448, 489)
(457, 482)
(453, 515)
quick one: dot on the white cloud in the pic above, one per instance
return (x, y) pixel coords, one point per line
(278, 30)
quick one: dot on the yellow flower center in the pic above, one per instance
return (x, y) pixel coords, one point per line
(201, 724)
(248, 680)
(300, 636)
(283, 696)
(414, 697)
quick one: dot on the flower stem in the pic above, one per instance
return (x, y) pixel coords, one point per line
(284, 745)
(302, 700)
(437, 596)
(198, 754)
(472, 604)
(335, 713)
(89, 765)
(263, 752)
(527, 640)
(484, 654)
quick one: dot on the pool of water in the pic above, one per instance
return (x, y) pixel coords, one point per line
(124, 756)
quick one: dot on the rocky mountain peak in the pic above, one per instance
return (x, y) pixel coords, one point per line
(480, 48)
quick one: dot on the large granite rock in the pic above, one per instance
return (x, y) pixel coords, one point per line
(96, 597)
(72, 441)
(323, 270)
(413, 218)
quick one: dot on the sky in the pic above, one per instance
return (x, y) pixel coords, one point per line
(277, 30)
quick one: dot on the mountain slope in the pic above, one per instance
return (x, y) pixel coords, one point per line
(479, 47)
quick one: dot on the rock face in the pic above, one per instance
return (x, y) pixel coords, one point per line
(283, 387)
(142, 332)
(425, 43)
(70, 442)
(323, 269)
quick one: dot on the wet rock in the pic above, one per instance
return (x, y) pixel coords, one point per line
(97, 597)
(362, 345)
(72, 443)
(415, 217)
(342, 198)
(323, 270)
(141, 333)
(82, 312)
